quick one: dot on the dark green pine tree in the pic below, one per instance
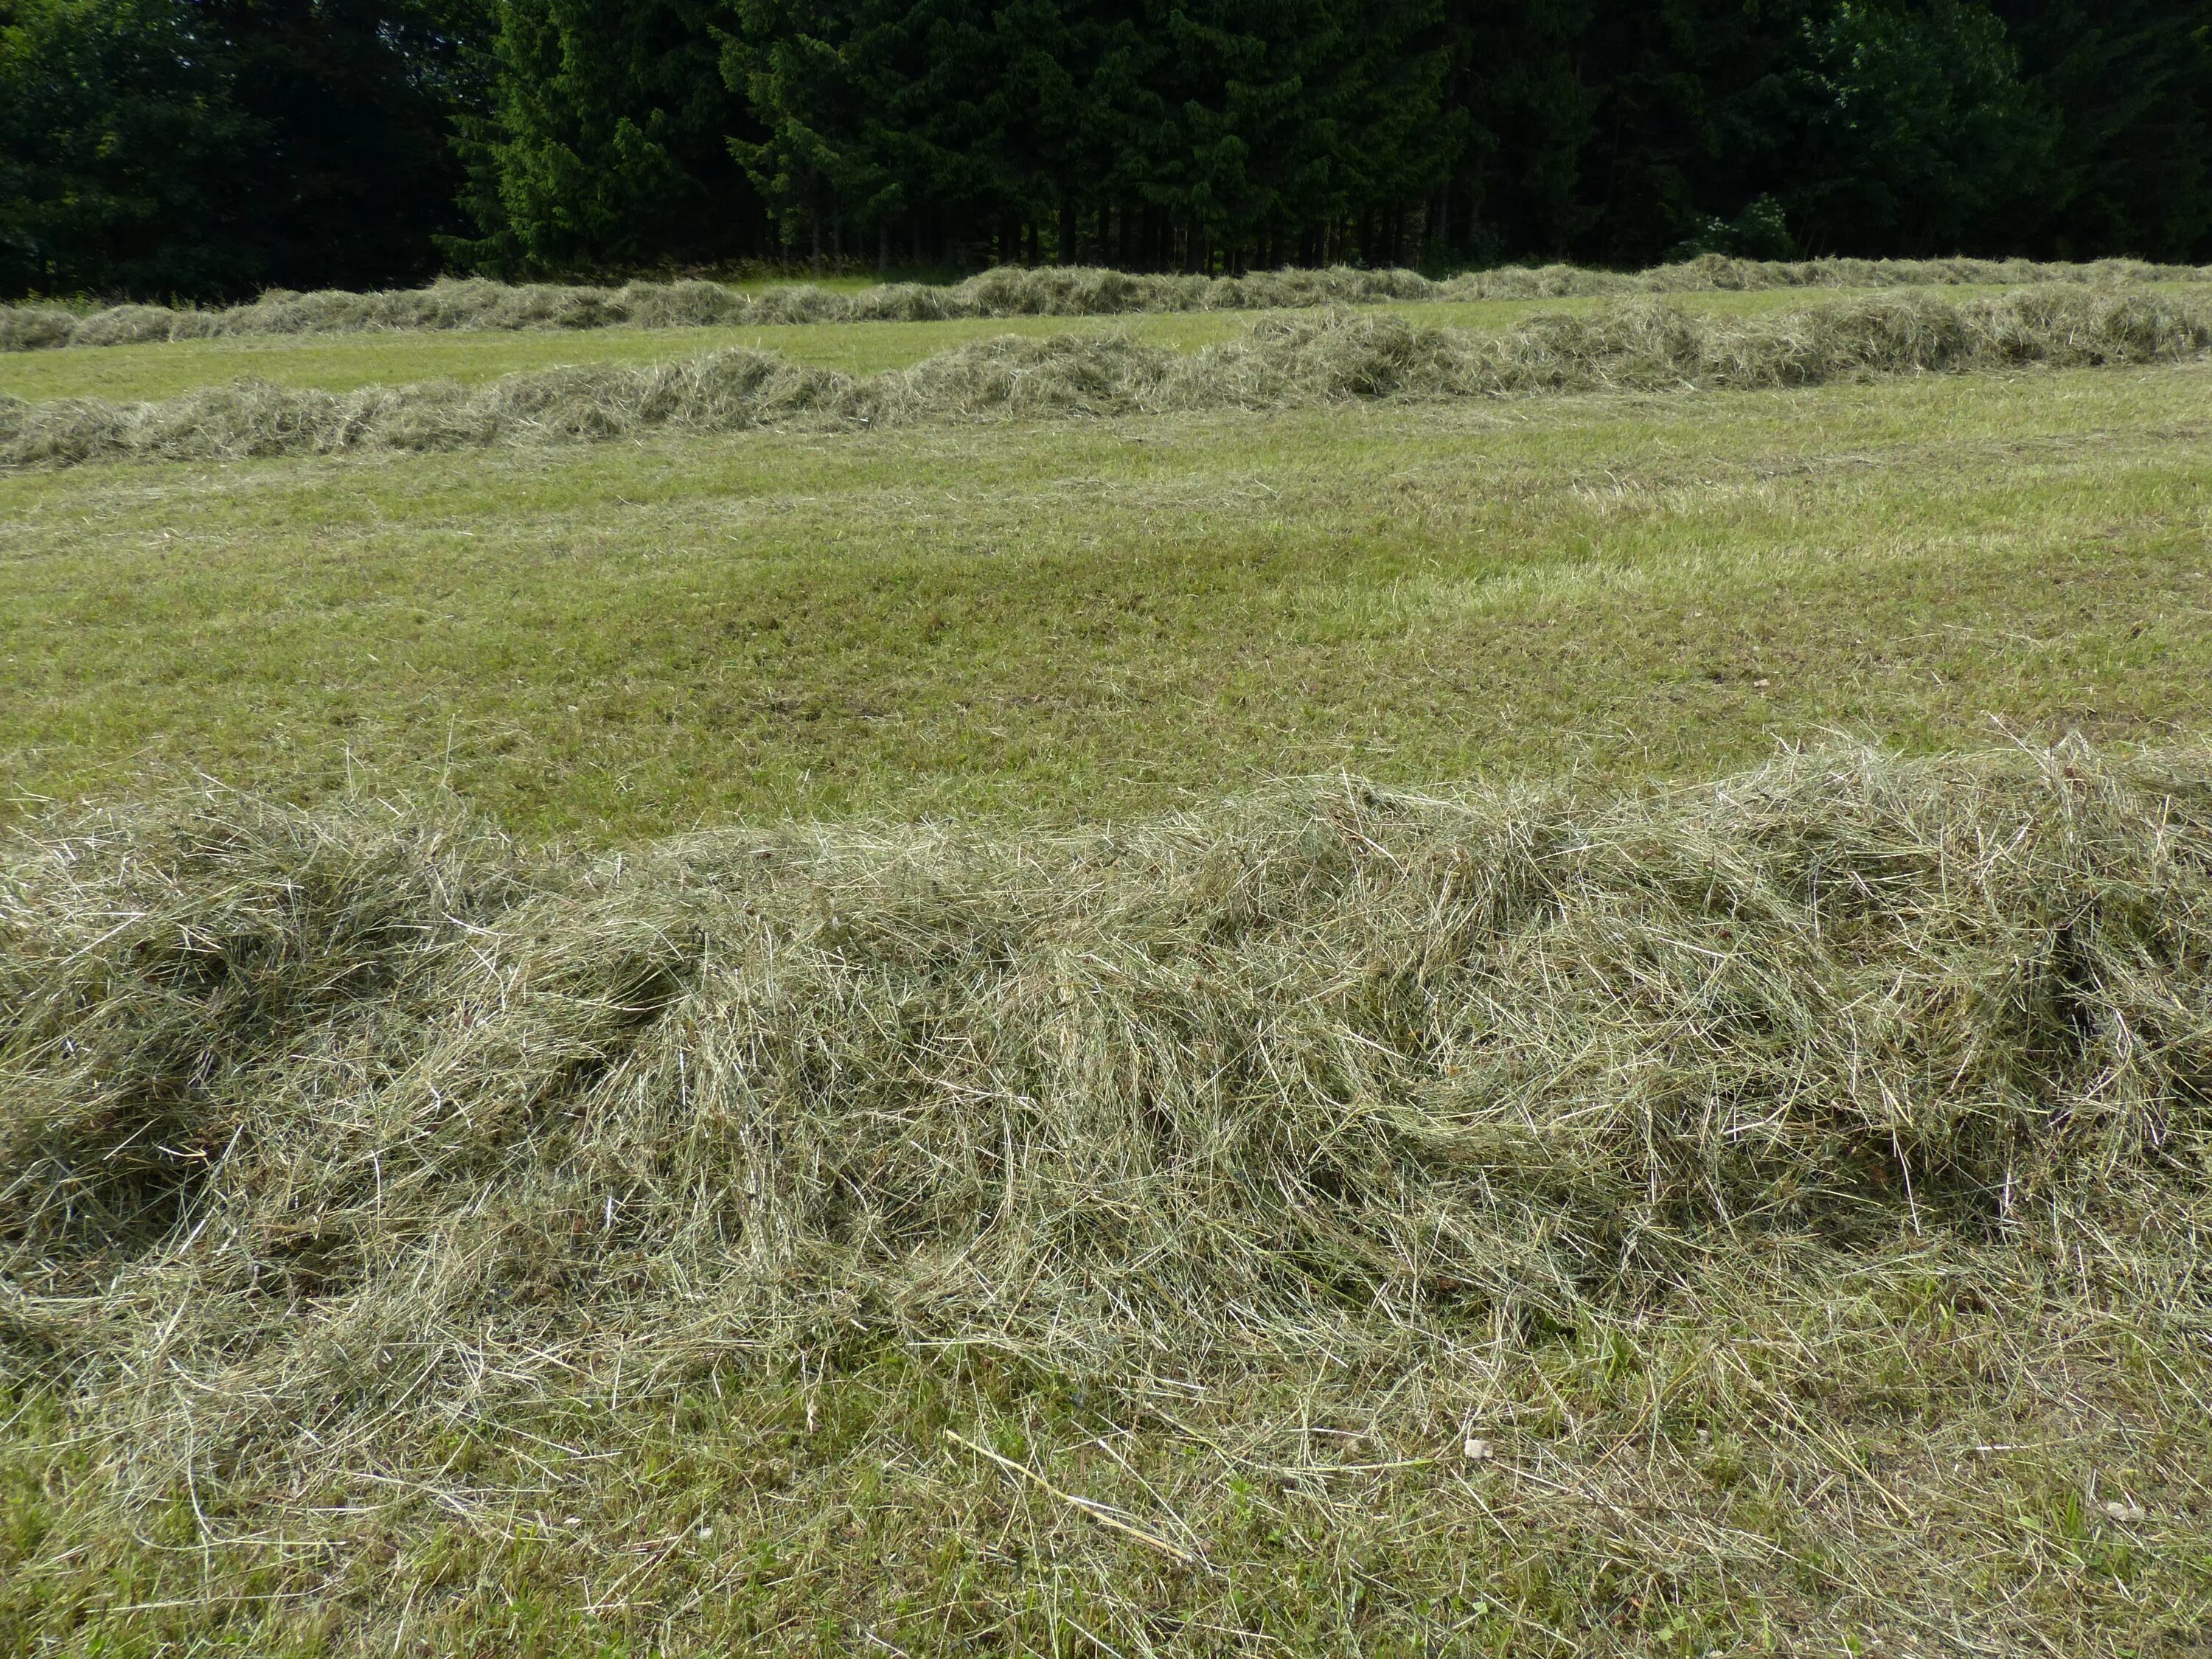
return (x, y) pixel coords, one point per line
(1301, 130)
(883, 126)
(1391, 135)
(1032, 111)
(605, 141)
(160, 147)
(120, 152)
(357, 175)
(794, 63)
(1521, 115)
(2130, 82)
(1696, 111)
(1125, 136)
(1249, 129)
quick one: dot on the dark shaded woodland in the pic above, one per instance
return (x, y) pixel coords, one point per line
(204, 148)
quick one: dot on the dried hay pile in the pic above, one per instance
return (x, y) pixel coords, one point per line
(310, 1121)
(1798, 1185)
(1056, 291)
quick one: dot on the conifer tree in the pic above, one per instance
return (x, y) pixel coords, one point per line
(606, 139)
(2130, 83)
(206, 147)
(119, 135)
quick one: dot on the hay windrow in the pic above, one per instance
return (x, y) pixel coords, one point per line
(1325, 356)
(480, 304)
(282, 1090)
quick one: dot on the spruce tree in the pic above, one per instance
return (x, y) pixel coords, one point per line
(2130, 83)
(606, 142)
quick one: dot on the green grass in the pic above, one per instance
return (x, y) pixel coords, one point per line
(1681, 1498)
(1068, 620)
(344, 362)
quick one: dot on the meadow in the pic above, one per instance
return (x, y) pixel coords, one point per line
(1556, 1024)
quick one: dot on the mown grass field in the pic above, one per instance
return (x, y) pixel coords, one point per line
(343, 362)
(1069, 621)
(1921, 1437)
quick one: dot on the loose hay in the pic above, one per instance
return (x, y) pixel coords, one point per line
(1007, 292)
(277, 1087)
(1328, 356)
(326, 1137)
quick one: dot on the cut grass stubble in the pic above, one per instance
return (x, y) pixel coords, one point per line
(1072, 621)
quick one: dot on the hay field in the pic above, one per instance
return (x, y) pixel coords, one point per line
(700, 1043)
(1065, 619)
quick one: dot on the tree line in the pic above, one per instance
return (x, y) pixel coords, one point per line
(199, 149)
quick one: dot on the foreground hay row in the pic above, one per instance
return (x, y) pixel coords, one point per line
(327, 1137)
(1007, 292)
(1328, 356)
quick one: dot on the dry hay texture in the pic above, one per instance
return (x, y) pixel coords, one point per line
(1323, 356)
(321, 1130)
(1005, 292)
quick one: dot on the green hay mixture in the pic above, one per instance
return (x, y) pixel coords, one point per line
(1764, 1214)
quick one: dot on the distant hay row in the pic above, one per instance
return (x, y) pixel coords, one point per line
(1318, 358)
(1048, 292)
(282, 1091)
